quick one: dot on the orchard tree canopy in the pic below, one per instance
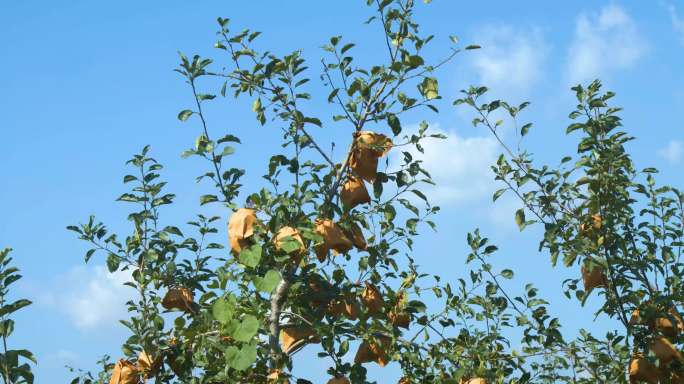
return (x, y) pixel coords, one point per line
(323, 256)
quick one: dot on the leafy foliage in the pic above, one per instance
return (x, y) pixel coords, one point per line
(599, 211)
(14, 363)
(314, 257)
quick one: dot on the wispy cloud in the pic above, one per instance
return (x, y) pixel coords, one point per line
(673, 151)
(460, 166)
(511, 60)
(677, 22)
(91, 297)
(604, 42)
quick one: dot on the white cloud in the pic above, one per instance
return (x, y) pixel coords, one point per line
(511, 60)
(604, 42)
(459, 166)
(91, 297)
(677, 22)
(673, 152)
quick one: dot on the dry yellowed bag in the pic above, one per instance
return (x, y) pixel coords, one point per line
(368, 148)
(642, 369)
(593, 276)
(178, 298)
(293, 338)
(354, 192)
(241, 228)
(125, 372)
(289, 232)
(373, 350)
(333, 239)
(372, 299)
(147, 365)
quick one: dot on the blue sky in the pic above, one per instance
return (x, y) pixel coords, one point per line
(87, 84)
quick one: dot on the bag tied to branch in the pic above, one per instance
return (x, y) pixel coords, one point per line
(372, 299)
(333, 239)
(593, 276)
(374, 350)
(125, 372)
(294, 338)
(354, 192)
(355, 234)
(147, 365)
(178, 298)
(642, 369)
(292, 234)
(368, 148)
(241, 228)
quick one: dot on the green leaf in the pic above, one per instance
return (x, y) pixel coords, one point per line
(420, 194)
(173, 230)
(128, 197)
(89, 254)
(344, 348)
(390, 213)
(17, 305)
(536, 303)
(394, 123)
(179, 323)
(228, 138)
(205, 199)
(223, 310)
(417, 306)
(113, 262)
(241, 358)
(507, 274)
(26, 354)
(202, 144)
(415, 61)
(289, 244)
(346, 48)
(185, 114)
(256, 106)
(525, 128)
(333, 94)
(429, 88)
(246, 329)
(355, 86)
(491, 249)
(268, 282)
(569, 258)
(251, 256)
(573, 127)
(498, 193)
(314, 121)
(520, 218)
